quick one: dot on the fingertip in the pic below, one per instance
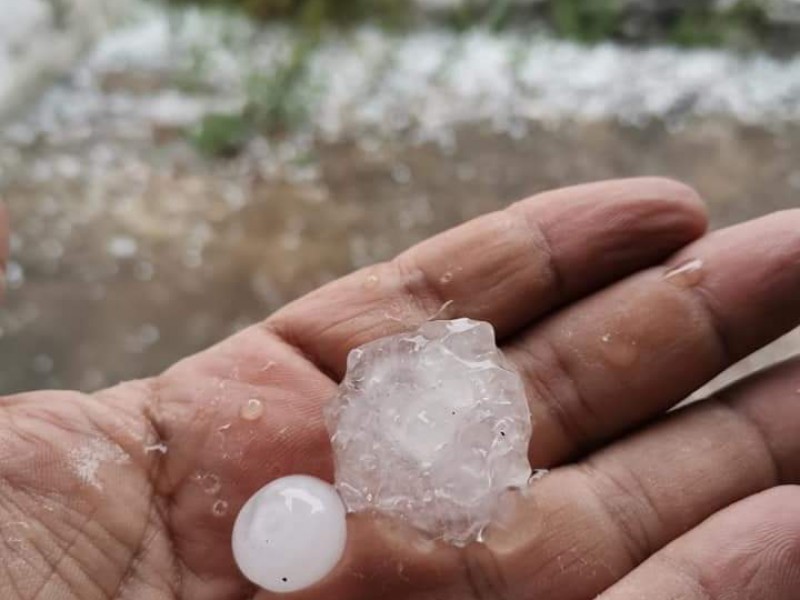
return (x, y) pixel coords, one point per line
(678, 191)
(783, 500)
(674, 197)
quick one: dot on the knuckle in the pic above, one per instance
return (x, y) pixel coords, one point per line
(626, 502)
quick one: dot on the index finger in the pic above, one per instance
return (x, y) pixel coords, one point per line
(508, 267)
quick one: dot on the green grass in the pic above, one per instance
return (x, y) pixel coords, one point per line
(316, 12)
(221, 135)
(587, 21)
(278, 101)
(743, 25)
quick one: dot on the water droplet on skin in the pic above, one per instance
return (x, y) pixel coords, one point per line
(219, 508)
(371, 281)
(687, 274)
(619, 352)
(290, 534)
(252, 409)
(446, 278)
(209, 482)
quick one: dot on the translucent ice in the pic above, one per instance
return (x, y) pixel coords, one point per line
(431, 426)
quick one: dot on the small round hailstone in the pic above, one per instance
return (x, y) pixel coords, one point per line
(290, 534)
(431, 426)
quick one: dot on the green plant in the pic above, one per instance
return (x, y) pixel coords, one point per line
(586, 21)
(278, 101)
(341, 12)
(221, 134)
(742, 24)
(194, 76)
(498, 15)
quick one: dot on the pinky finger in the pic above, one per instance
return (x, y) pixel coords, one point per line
(751, 550)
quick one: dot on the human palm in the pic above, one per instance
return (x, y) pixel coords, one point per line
(613, 305)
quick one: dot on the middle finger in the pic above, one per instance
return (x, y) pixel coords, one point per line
(632, 351)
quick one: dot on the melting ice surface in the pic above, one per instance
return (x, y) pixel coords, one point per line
(431, 427)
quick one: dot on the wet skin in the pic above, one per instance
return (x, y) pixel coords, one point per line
(613, 303)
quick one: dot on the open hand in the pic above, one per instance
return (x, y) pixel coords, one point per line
(614, 306)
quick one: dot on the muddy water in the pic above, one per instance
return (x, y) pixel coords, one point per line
(187, 250)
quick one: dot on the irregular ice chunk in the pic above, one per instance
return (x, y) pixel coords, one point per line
(431, 426)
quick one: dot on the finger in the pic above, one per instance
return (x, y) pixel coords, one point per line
(588, 525)
(630, 352)
(582, 528)
(507, 268)
(750, 551)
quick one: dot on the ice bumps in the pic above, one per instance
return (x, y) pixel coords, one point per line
(431, 427)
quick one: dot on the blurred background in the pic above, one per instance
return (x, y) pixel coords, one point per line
(177, 170)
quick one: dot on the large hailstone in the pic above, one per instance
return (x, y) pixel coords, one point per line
(431, 427)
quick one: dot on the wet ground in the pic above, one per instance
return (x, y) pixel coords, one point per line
(123, 289)
(131, 250)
